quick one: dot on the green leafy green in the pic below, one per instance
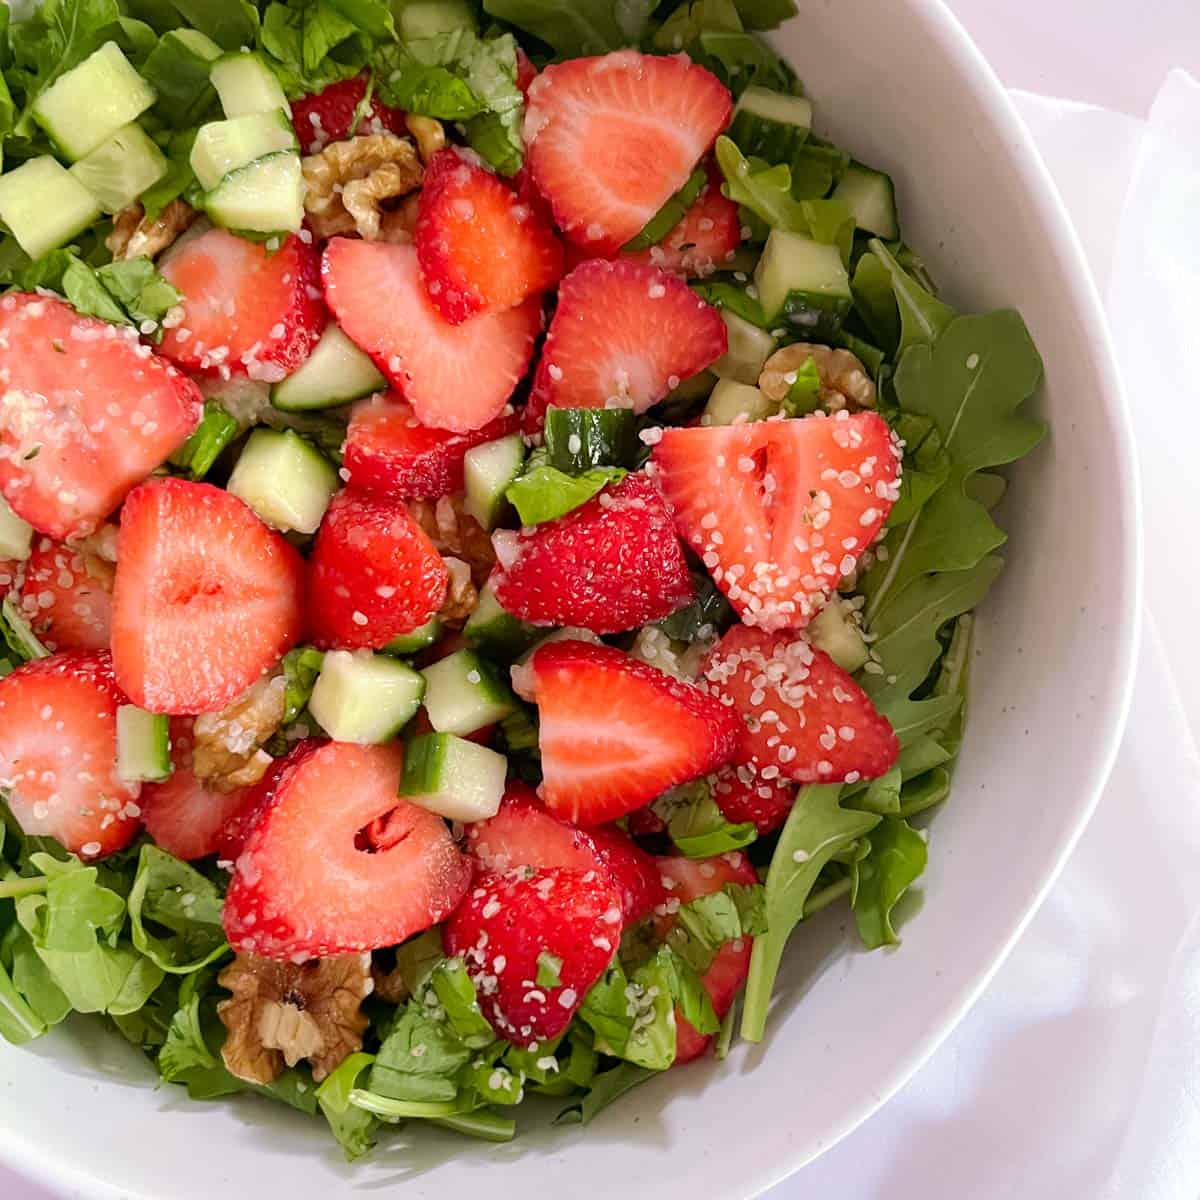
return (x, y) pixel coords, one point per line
(549, 967)
(129, 292)
(353, 1127)
(709, 613)
(670, 214)
(897, 859)
(923, 317)
(804, 395)
(697, 826)
(180, 77)
(733, 297)
(18, 643)
(179, 179)
(313, 44)
(300, 670)
(581, 27)
(765, 190)
(420, 1059)
(175, 897)
(705, 924)
(456, 993)
(544, 493)
(607, 1087)
(198, 455)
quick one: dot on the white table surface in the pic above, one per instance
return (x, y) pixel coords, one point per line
(1108, 53)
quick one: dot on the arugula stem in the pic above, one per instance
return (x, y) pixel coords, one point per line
(12, 889)
(826, 896)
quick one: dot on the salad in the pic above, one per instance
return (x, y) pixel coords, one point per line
(492, 510)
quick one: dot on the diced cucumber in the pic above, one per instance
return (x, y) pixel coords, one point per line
(733, 403)
(200, 44)
(578, 439)
(246, 85)
(16, 535)
(363, 697)
(770, 125)
(44, 206)
(89, 103)
(417, 19)
(805, 282)
(285, 479)
(833, 631)
(120, 169)
(421, 638)
(453, 777)
(464, 692)
(749, 348)
(178, 68)
(498, 631)
(488, 470)
(224, 146)
(265, 196)
(335, 373)
(143, 745)
(871, 198)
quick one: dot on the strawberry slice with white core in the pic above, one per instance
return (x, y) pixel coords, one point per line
(58, 753)
(611, 139)
(623, 336)
(806, 719)
(303, 888)
(66, 596)
(86, 412)
(615, 733)
(247, 309)
(456, 377)
(781, 510)
(207, 598)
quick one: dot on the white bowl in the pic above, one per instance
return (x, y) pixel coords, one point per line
(901, 85)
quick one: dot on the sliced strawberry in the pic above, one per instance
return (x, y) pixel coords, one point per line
(687, 879)
(526, 71)
(302, 888)
(66, 595)
(526, 189)
(207, 598)
(624, 334)
(183, 815)
(390, 454)
(704, 241)
(510, 920)
(373, 574)
(456, 377)
(326, 116)
(524, 834)
(613, 563)
(481, 249)
(246, 309)
(781, 510)
(806, 719)
(58, 753)
(743, 795)
(610, 140)
(615, 732)
(86, 412)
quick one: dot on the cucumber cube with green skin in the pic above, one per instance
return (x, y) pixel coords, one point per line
(44, 205)
(335, 373)
(419, 639)
(143, 745)
(89, 103)
(121, 168)
(452, 777)
(16, 535)
(363, 697)
(749, 349)
(245, 84)
(224, 146)
(578, 439)
(265, 196)
(871, 198)
(497, 630)
(735, 403)
(770, 125)
(833, 631)
(805, 283)
(488, 470)
(464, 692)
(285, 479)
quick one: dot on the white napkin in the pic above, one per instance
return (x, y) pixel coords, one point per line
(1078, 1072)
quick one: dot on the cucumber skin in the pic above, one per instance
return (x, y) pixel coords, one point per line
(606, 436)
(818, 317)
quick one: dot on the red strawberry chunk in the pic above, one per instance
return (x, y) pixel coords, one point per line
(781, 510)
(247, 310)
(207, 598)
(524, 834)
(613, 563)
(806, 719)
(509, 920)
(481, 248)
(9, 570)
(743, 795)
(326, 116)
(373, 574)
(611, 139)
(66, 595)
(456, 377)
(526, 71)
(58, 753)
(615, 733)
(302, 888)
(86, 412)
(704, 241)
(624, 334)
(182, 814)
(390, 454)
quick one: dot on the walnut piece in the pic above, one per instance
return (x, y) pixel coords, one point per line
(844, 380)
(281, 1012)
(134, 234)
(227, 754)
(456, 533)
(348, 185)
(390, 985)
(429, 134)
(462, 597)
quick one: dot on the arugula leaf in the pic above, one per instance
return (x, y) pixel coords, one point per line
(198, 455)
(607, 1087)
(485, 1124)
(420, 1058)
(431, 91)
(174, 896)
(300, 669)
(136, 285)
(311, 45)
(353, 1127)
(456, 993)
(804, 395)
(186, 1050)
(709, 613)
(232, 24)
(579, 28)
(765, 190)
(926, 792)
(897, 859)
(714, 33)
(735, 299)
(923, 317)
(19, 1023)
(697, 826)
(817, 829)
(544, 493)
(180, 76)
(952, 681)
(179, 177)
(705, 924)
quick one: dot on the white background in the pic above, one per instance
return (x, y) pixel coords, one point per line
(1110, 53)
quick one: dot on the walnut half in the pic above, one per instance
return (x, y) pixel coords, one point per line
(227, 753)
(282, 1012)
(844, 380)
(134, 234)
